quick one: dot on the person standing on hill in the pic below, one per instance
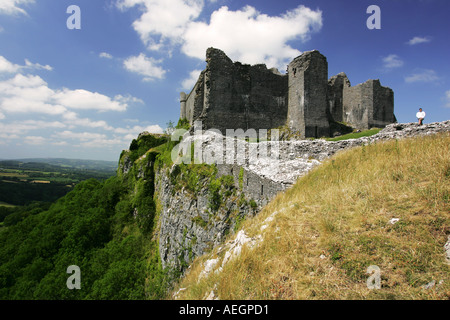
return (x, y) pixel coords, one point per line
(420, 116)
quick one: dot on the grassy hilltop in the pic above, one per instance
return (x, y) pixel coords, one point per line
(384, 205)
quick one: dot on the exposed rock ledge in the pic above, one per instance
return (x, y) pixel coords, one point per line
(293, 159)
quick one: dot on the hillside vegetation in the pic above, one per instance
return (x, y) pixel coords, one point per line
(103, 227)
(383, 205)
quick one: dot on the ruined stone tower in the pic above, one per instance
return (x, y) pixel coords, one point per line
(307, 95)
(368, 105)
(183, 99)
(232, 95)
(335, 96)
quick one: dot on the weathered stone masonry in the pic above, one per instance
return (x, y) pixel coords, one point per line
(308, 84)
(231, 95)
(368, 105)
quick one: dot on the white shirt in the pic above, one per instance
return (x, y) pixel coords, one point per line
(420, 115)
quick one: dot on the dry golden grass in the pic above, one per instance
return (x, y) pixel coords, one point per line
(335, 222)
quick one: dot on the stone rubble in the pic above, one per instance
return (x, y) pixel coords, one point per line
(394, 220)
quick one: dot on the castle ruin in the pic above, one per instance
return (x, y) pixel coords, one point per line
(232, 95)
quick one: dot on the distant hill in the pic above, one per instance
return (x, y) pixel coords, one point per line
(23, 181)
(99, 165)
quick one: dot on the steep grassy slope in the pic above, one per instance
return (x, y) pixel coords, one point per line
(337, 221)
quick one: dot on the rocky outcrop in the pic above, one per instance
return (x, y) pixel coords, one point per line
(283, 162)
(298, 157)
(296, 152)
(190, 224)
(234, 179)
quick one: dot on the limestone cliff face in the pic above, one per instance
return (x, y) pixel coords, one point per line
(198, 205)
(195, 206)
(189, 224)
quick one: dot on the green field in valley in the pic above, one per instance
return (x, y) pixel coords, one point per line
(25, 181)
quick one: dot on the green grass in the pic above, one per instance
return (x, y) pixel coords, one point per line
(4, 204)
(13, 173)
(356, 135)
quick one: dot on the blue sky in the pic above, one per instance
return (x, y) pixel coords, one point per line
(86, 93)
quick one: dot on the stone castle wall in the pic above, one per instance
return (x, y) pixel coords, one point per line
(231, 95)
(192, 104)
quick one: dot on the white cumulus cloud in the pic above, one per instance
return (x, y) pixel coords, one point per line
(72, 121)
(426, 75)
(31, 94)
(418, 40)
(145, 66)
(9, 67)
(246, 35)
(87, 100)
(392, 61)
(36, 66)
(12, 7)
(27, 96)
(87, 139)
(35, 140)
(105, 55)
(24, 126)
(188, 83)
(83, 136)
(252, 37)
(163, 21)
